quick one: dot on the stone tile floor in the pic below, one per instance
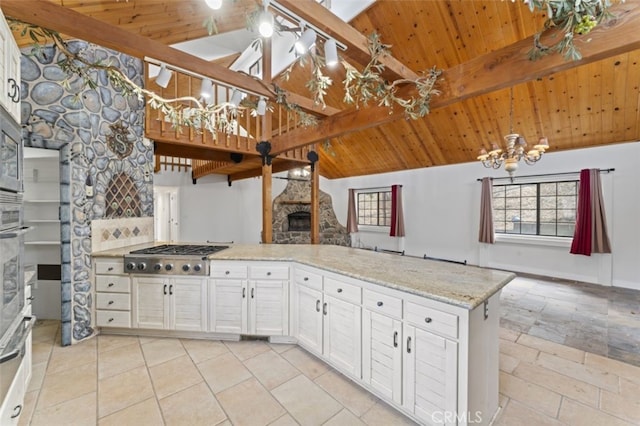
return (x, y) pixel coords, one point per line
(600, 320)
(146, 381)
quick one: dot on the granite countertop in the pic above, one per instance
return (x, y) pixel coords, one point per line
(459, 285)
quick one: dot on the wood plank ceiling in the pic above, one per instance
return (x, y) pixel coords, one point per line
(588, 105)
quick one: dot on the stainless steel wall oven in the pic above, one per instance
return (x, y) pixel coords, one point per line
(10, 153)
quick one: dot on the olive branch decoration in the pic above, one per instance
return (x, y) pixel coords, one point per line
(572, 17)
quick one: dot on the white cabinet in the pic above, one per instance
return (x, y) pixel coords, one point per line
(430, 378)
(10, 97)
(249, 298)
(327, 318)
(382, 344)
(113, 293)
(13, 404)
(170, 303)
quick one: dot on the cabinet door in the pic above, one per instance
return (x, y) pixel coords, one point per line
(5, 35)
(307, 318)
(188, 304)
(342, 344)
(268, 308)
(228, 306)
(430, 375)
(11, 408)
(151, 298)
(382, 354)
(13, 78)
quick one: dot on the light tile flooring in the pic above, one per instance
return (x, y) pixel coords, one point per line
(138, 381)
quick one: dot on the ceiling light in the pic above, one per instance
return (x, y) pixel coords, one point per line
(330, 53)
(306, 40)
(206, 89)
(262, 106)
(265, 24)
(236, 97)
(164, 76)
(514, 150)
(214, 4)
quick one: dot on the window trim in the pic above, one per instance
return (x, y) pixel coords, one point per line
(371, 228)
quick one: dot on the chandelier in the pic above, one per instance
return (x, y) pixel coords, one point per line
(515, 149)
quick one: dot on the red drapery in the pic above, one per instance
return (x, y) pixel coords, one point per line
(397, 219)
(582, 237)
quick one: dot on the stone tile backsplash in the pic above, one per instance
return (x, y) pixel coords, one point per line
(107, 234)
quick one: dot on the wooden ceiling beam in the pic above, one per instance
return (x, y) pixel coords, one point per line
(487, 73)
(276, 167)
(171, 149)
(357, 44)
(67, 21)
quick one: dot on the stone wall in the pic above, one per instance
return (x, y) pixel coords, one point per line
(82, 123)
(296, 197)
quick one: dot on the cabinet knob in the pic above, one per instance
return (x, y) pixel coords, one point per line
(380, 303)
(428, 320)
(339, 290)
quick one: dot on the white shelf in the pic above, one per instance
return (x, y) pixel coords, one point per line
(42, 243)
(42, 220)
(42, 201)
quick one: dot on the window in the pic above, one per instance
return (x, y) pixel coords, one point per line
(546, 208)
(374, 208)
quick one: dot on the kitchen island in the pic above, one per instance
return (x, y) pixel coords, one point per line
(420, 334)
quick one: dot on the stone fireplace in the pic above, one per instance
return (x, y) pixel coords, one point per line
(292, 216)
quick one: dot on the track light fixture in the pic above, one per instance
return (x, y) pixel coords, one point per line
(206, 89)
(214, 4)
(330, 53)
(265, 23)
(236, 98)
(306, 41)
(262, 106)
(164, 76)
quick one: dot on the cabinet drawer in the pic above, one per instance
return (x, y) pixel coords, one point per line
(382, 303)
(115, 266)
(309, 279)
(113, 319)
(113, 283)
(228, 270)
(432, 320)
(269, 272)
(115, 301)
(341, 290)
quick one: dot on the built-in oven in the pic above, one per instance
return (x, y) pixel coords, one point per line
(10, 153)
(12, 352)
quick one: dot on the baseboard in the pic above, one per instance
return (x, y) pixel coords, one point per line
(627, 284)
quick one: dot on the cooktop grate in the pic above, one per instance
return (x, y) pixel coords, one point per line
(180, 250)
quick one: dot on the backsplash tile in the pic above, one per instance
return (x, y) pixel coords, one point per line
(110, 234)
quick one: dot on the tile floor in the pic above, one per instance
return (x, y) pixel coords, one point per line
(145, 381)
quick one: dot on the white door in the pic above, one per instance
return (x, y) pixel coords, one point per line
(342, 343)
(188, 304)
(430, 375)
(307, 321)
(166, 213)
(382, 354)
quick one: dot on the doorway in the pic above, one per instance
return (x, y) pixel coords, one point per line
(166, 213)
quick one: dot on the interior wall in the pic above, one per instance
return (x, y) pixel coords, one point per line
(441, 207)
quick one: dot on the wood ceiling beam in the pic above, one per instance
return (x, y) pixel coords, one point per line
(357, 44)
(71, 23)
(171, 149)
(487, 73)
(276, 167)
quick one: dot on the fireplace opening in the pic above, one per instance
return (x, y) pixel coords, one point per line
(299, 221)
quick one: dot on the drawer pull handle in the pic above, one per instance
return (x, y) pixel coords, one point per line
(110, 285)
(226, 272)
(244, 292)
(16, 411)
(324, 308)
(409, 344)
(110, 302)
(339, 290)
(317, 305)
(428, 320)
(110, 268)
(165, 290)
(30, 298)
(268, 273)
(110, 320)
(395, 339)
(306, 278)
(171, 290)
(380, 303)
(252, 292)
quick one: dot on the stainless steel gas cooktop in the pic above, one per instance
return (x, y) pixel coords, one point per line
(171, 259)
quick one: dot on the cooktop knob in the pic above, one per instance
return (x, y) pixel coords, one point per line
(186, 267)
(197, 267)
(131, 266)
(168, 267)
(142, 266)
(157, 266)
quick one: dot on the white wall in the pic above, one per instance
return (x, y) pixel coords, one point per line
(441, 206)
